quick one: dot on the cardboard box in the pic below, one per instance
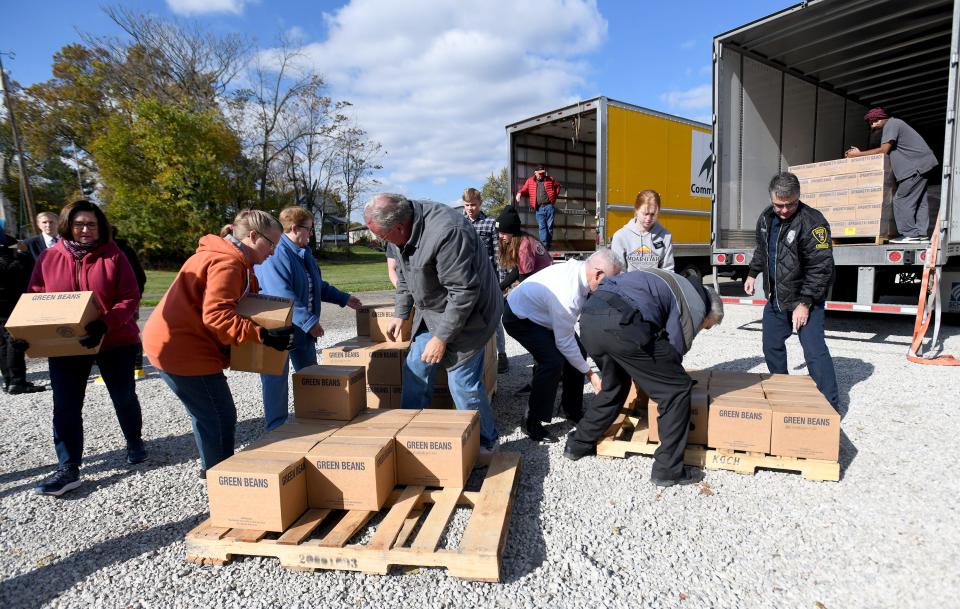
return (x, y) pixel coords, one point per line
(263, 491)
(438, 453)
(789, 379)
(445, 416)
(383, 361)
(351, 473)
(329, 392)
(739, 424)
(269, 312)
(699, 418)
(379, 416)
(441, 398)
(383, 396)
(363, 320)
(298, 445)
(380, 317)
(874, 162)
(53, 322)
(804, 430)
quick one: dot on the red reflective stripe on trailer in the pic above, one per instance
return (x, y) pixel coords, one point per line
(744, 301)
(840, 306)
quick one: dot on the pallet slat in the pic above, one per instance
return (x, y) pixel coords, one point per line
(490, 514)
(303, 527)
(432, 529)
(341, 533)
(747, 463)
(389, 528)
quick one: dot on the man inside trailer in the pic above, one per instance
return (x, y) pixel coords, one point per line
(911, 159)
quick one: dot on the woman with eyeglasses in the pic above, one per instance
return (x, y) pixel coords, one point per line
(189, 335)
(293, 273)
(86, 259)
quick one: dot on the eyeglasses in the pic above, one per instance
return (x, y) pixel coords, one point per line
(270, 241)
(80, 226)
(306, 228)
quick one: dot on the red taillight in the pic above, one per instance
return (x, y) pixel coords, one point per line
(923, 255)
(894, 256)
(740, 258)
(720, 258)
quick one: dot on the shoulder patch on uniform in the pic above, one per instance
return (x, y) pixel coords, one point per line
(820, 234)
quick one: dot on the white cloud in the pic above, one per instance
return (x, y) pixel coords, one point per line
(697, 98)
(199, 7)
(436, 81)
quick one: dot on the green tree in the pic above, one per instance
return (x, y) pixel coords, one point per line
(167, 172)
(496, 193)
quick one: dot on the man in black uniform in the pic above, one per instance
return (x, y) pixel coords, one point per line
(638, 326)
(794, 253)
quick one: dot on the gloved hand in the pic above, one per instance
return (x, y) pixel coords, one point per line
(280, 339)
(95, 331)
(20, 345)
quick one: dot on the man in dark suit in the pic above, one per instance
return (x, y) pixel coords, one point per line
(47, 223)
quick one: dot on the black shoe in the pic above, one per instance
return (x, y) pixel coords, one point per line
(25, 388)
(536, 432)
(64, 479)
(503, 364)
(575, 454)
(525, 389)
(690, 475)
(203, 474)
(136, 454)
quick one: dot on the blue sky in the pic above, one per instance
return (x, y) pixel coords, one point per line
(436, 81)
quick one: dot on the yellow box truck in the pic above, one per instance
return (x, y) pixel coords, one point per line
(603, 152)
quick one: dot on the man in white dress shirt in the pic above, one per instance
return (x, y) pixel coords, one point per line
(541, 314)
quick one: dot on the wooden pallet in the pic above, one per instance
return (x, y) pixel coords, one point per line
(877, 240)
(320, 538)
(747, 463)
(628, 435)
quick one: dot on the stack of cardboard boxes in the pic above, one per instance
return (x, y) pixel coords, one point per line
(383, 359)
(778, 414)
(855, 195)
(343, 465)
(350, 443)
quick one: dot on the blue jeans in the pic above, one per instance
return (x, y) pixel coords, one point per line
(545, 224)
(777, 328)
(465, 381)
(276, 388)
(212, 413)
(68, 378)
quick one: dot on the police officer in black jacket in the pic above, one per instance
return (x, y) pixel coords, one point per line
(638, 326)
(794, 253)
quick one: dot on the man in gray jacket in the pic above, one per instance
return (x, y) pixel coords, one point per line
(443, 271)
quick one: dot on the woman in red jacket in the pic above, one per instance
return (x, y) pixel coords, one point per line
(86, 259)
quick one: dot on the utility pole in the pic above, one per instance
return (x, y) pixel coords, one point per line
(25, 193)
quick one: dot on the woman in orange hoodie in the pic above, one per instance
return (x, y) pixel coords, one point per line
(189, 335)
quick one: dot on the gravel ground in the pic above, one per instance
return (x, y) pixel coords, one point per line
(591, 533)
